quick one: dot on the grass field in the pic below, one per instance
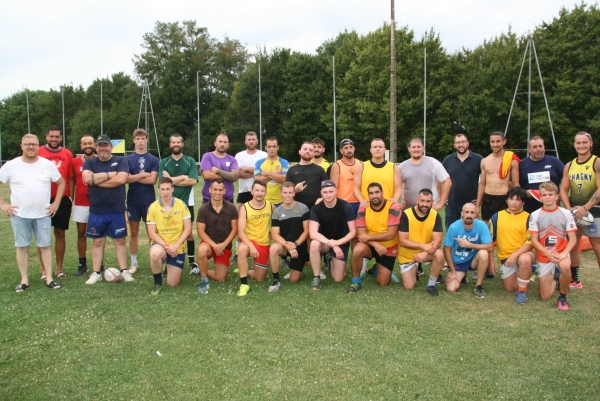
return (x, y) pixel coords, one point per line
(101, 342)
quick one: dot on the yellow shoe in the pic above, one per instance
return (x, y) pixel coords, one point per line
(244, 289)
(236, 271)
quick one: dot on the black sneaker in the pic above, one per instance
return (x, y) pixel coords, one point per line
(420, 270)
(464, 280)
(479, 292)
(440, 280)
(81, 270)
(354, 287)
(432, 290)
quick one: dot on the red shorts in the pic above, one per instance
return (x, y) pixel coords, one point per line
(223, 259)
(263, 255)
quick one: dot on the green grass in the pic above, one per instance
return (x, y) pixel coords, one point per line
(100, 342)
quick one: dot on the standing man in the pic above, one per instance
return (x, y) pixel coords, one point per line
(272, 170)
(169, 225)
(183, 171)
(289, 230)
(30, 210)
(319, 150)
(343, 172)
(246, 160)
(420, 236)
(81, 209)
(553, 236)
(216, 225)
(63, 159)
(219, 165)
(106, 176)
(377, 229)
(467, 245)
(331, 228)
(579, 190)
(537, 168)
(386, 173)
(464, 168)
(254, 222)
(143, 174)
(306, 176)
(420, 172)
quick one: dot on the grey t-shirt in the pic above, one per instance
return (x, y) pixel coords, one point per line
(415, 177)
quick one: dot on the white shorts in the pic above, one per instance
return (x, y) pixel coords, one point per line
(546, 268)
(591, 231)
(507, 271)
(407, 266)
(80, 214)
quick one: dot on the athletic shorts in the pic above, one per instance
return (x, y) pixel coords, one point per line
(263, 255)
(176, 261)
(344, 248)
(492, 204)
(464, 266)
(404, 267)
(385, 261)
(355, 206)
(546, 268)
(62, 216)
(507, 271)
(137, 212)
(591, 231)
(223, 259)
(108, 224)
(81, 214)
(244, 197)
(40, 228)
(298, 263)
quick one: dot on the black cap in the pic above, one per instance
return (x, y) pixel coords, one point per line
(328, 183)
(103, 138)
(345, 142)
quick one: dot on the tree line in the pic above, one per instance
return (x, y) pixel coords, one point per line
(468, 91)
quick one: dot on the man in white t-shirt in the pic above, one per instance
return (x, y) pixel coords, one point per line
(246, 161)
(30, 211)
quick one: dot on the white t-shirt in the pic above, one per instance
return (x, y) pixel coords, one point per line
(415, 177)
(246, 160)
(30, 185)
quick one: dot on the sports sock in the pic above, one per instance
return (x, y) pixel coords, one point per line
(365, 262)
(563, 296)
(575, 274)
(205, 279)
(83, 261)
(134, 259)
(523, 284)
(191, 246)
(157, 279)
(431, 281)
(237, 246)
(319, 277)
(356, 280)
(276, 276)
(244, 280)
(479, 287)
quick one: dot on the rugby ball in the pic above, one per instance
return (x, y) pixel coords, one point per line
(112, 275)
(585, 220)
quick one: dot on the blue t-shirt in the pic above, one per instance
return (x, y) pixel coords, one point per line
(141, 194)
(479, 234)
(104, 200)
(533, 173)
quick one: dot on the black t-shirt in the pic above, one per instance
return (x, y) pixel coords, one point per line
(312, 175)
(333, 222)
(464, 176)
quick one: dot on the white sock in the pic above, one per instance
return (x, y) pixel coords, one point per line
(134, 259)
(365, 262)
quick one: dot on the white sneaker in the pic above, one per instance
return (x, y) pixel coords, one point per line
(126, 276)
(94, 278)
(323, 276)
(194, 269)
(287, 276)
(275, 286)
(133, 269)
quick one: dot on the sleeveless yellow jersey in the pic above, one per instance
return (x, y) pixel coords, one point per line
(382, 174)
(258, 223)
(419, 230)
(583, 181)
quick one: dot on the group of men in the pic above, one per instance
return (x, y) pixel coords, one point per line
(377, 209)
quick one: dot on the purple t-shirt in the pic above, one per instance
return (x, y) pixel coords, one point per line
(227, 163)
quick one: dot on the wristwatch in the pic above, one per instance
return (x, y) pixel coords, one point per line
(296, 243)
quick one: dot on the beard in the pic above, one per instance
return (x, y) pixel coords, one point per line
(88, 151)
(306, 157)
(176, 150)
(250, 147)
(424, 209)
(376, 201)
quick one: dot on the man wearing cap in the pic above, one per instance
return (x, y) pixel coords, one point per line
(106, 176)
(343, 172)
(331, 228)
(306, 176)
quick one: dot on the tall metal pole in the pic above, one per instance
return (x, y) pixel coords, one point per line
(334, 115)
(425, 101)
(28, 122)
(528, 101)
(198, 107)
(537, 61)
(101, 116)
(260, 107)
(0, 144)
(62, 90)
(393, 137)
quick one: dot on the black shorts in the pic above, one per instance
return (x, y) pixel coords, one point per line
(492, 204)
(298, 263)
(385, 261)
(137, 212)
(244, 197)
(62, 216)
(345, 248)
(191, 209)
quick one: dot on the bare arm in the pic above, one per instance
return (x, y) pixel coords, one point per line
(241, 224)
(448, 257)
(232, 175)
(386, 236)
(315, 235)
(131, 178)
(153, 235)
(446, 185)
(114, 180)
(357, 186)
(481, 188)
(514, 173)
(334, 174)
(397, 185)
(246, 172)
(565, 185)
(210, 175)
(187, 230)
(72, 187)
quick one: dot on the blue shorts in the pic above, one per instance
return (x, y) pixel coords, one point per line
(137, 212)
(176, 261)
(108, 224)
(40, 228)
(355, 206)
(464, 266)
